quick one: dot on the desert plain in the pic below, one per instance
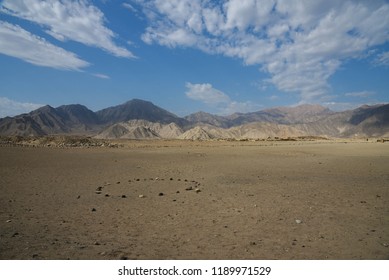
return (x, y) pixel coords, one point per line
(174, 199)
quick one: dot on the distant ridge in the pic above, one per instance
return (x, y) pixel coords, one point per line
(139, 119)
(137, 109)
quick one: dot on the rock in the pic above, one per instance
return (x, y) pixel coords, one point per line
(298, 221)
(8, 221)
(98, 189)
(189, 188)
(141, 196)
(94, 210)
(197, 190)
(161, 194)
(97, 192)
(124, 196)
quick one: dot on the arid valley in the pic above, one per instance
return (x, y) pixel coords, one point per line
(181, 199)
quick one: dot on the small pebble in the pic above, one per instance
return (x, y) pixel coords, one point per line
(124, 196)
(141, 196)
(93, 209)
(8, 221)
(298, 221)
(161, 194)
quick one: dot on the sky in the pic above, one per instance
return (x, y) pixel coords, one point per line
(193, 55)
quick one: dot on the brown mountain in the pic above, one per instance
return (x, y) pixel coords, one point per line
(142, 119)
(74, 119)
(78, 119)
(137, 109)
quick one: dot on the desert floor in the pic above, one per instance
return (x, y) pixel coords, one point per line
(196, 200)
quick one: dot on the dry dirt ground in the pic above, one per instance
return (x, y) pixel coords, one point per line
(196, 200)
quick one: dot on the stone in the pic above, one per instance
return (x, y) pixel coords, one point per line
(298, 221)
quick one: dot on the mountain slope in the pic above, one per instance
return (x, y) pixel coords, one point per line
(138, 119)
(140, 129)
(48, 120)
(139, 110)
(206, 118)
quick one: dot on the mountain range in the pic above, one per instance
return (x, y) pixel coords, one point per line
(139, 119)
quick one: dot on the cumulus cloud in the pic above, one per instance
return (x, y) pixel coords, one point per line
(17, 42)
(206, 93)
(75, 20)
(299, 43)
(9, 108)
(215, 98)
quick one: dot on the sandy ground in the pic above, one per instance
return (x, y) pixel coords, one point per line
(196, 200)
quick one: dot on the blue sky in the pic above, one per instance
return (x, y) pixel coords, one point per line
(189, 55)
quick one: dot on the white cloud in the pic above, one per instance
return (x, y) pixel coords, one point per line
(129, 7)
(19, 43)
(215, 98)
(206, 93)
(361, 94)
(299, 43)
(382, 59)
(240, 107)
(75, 20)
(9, 108)
(101, 76)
